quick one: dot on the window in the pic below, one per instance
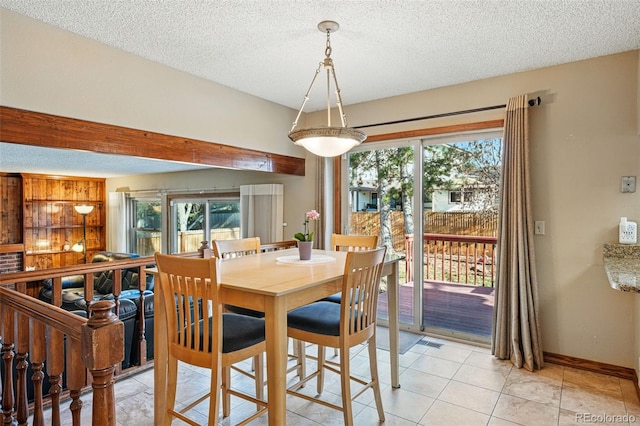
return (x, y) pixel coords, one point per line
(457, 197)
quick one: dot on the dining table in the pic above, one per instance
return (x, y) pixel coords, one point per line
(277, 282)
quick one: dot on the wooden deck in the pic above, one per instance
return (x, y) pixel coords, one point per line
(452, 307)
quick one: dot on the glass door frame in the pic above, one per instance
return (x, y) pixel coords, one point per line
(416, 144)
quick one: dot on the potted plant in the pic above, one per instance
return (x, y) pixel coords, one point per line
(305, 239)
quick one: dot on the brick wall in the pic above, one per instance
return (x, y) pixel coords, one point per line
(10, 262)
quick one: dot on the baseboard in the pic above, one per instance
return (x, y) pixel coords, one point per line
(594, 366)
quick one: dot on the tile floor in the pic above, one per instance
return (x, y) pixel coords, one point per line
(453, 384)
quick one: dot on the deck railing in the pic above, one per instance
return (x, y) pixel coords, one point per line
(462, 259)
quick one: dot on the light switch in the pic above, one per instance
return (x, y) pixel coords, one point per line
(628, 184)
(539, 227)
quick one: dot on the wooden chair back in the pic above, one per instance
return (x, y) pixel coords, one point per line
(361, 282)
(227, 249)
(341, 242)
(189, 291)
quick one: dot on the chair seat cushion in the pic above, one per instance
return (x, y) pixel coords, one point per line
(238, 332)
(318, 317)
(334, 298)
(244, 311)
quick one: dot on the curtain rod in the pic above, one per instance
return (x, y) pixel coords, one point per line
(532, 102)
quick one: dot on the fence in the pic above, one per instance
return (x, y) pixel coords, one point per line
(452, 223)
(147, 243)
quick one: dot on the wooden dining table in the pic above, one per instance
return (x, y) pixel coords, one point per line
(276, 282)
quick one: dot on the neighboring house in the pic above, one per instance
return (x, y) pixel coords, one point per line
(363, 198)
(463, 199)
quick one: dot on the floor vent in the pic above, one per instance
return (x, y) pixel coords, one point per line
(430, 344)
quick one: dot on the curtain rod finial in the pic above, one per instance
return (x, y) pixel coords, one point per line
(536, 101)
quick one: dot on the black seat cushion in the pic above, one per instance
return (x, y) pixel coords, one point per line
(244, 311)
(318, 317)
(334, 298)
(337, 297)
(238, 332)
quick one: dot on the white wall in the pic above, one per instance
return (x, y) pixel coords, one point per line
(584, 138)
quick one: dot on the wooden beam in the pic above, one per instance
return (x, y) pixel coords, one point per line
(481, 125)
(52, 131)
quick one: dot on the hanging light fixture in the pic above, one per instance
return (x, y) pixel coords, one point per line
(329, 141)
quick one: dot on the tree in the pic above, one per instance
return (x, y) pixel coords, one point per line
(480, 172)
(463, 165)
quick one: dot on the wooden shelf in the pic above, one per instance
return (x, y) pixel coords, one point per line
(39, 252)
(49, 219)
(63, 227)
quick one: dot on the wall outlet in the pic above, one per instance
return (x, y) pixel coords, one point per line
(628, 184)
(539, 227)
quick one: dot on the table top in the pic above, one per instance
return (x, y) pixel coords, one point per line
(264, 274)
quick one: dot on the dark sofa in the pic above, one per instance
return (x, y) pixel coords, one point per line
(129, 301)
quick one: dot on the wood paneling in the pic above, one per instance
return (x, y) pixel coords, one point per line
(50, 220)
(10, 209)
(46, 130)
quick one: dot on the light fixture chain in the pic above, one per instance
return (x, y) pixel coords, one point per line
(327, 50)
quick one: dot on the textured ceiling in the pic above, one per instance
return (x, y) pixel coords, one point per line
(397, 47)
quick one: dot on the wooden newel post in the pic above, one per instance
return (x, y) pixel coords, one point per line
(102, 349)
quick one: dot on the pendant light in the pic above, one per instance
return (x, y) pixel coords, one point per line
(329, 141)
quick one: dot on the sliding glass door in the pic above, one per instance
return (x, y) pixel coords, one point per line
(433, 201)
(194, 220)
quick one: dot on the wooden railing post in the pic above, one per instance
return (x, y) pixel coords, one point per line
(102, 349)
(7, 358)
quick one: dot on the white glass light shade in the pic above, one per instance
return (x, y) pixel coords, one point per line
(328, 141)
(83, 209)
(78, 247)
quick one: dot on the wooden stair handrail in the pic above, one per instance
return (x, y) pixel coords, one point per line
(96, 344)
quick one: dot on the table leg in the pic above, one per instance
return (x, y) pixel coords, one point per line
(276, 342)
(394, 330)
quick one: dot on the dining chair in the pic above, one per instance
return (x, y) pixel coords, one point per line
(343, 326)
(346, 242)
(229, 249)
(200, 334)
(342, 242)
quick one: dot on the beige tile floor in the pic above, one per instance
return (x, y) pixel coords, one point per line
(454, 384)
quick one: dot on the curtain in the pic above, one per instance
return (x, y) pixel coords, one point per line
(516, 330)
(117, 222)
(262, 211)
